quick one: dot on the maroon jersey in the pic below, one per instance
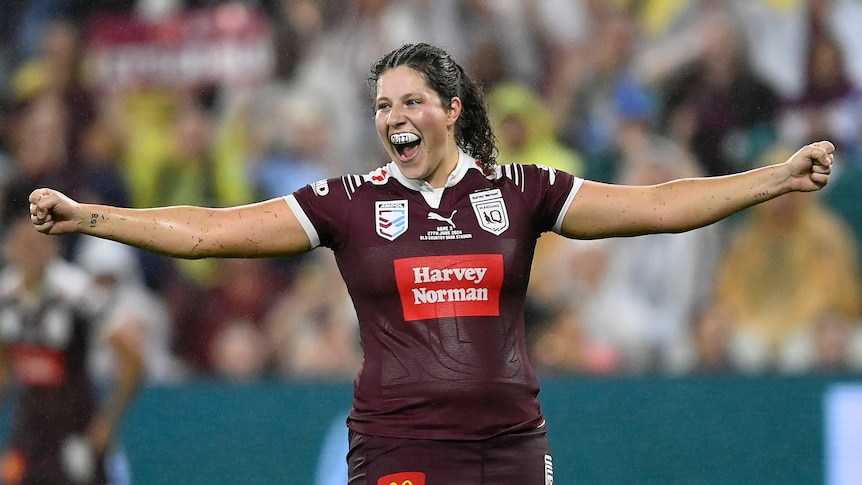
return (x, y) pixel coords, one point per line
(439, 279)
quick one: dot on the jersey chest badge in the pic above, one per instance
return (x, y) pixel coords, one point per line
(390, 218)
(490, 211)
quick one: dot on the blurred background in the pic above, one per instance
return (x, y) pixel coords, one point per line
(729, 354)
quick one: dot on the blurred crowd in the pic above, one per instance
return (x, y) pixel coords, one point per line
(146, 102)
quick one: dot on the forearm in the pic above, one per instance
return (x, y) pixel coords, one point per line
(179, 231)
(130, 370)
(692, 203)
(602, 210)
(128, 384)
(263, 229)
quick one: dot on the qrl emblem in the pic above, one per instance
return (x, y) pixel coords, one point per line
(390, 218)
(490, 211)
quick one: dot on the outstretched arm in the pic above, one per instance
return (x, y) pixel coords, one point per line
(256, 230)
(605, 210)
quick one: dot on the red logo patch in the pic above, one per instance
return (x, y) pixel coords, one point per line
(463, 285)
(403, 478)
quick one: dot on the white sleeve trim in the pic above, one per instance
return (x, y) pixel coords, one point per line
(558, 226)
(303, 219)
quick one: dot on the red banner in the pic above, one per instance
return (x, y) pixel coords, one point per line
(228, 44)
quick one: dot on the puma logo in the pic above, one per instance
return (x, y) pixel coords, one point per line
(448, 220)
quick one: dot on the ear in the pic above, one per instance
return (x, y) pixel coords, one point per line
(455, 107)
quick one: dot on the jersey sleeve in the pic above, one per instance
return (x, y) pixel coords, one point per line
(323, 209)
(549, 191)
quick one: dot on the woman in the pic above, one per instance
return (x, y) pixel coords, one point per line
(435, 248)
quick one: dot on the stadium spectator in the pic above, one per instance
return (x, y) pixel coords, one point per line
(716, 105)
(526, 130)
(128, 309)
(832, 346)
(652, 284)
(713, 349)
(223, 335)
(62, 432)
(312, 327)
(289, 141)
(200, 170)
(588, 117)
(842, 196)
(766, 280)
(57, 70)
(39, 151)
(828, 101)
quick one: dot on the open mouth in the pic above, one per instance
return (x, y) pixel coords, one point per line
(406, 144)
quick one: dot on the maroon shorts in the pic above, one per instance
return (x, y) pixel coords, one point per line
(519, 459)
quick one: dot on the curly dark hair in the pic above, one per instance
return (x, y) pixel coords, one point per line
(473, 132)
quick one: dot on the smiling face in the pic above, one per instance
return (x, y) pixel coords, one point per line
(415, 127)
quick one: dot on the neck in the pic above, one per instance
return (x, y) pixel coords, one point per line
(440, 177)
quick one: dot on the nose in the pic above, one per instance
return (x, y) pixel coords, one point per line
(395, 117)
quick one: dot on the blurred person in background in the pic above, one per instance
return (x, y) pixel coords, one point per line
(828, 101)
(830, 104)
(716, 105)
(712, 355)
(361, 31)
(290, 143)
(102, 177)
(128, 310)
(39, 150)
(832, 346)
(510, 41)
(62, 432)
(441, 326)
(766, 280)
(652, 284)
(587, 100)
(843, 196)
(674, 34)
(199, 170)
(129, 316)
(223, 335)
(565, 277)
(57, 70)
(526, 130)
(297, 27)
(313, 326)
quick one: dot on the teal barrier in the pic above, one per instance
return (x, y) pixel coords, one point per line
(720, 431)
(213, 433)
(602, 431)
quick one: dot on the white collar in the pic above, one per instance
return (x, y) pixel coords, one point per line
(465, 163)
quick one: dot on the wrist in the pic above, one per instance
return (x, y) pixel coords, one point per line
(780, 181)
(87, 218)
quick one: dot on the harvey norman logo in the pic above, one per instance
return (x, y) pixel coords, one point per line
(449, 286)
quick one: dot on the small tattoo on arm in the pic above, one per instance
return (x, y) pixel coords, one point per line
(761, 195)
(94, 218)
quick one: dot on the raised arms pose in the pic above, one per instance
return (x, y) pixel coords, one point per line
(435, 248)
(271, 228)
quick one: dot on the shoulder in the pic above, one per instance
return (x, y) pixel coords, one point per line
(350, 185)
(524, 175)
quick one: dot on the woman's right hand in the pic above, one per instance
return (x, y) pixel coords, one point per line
(52, 212)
